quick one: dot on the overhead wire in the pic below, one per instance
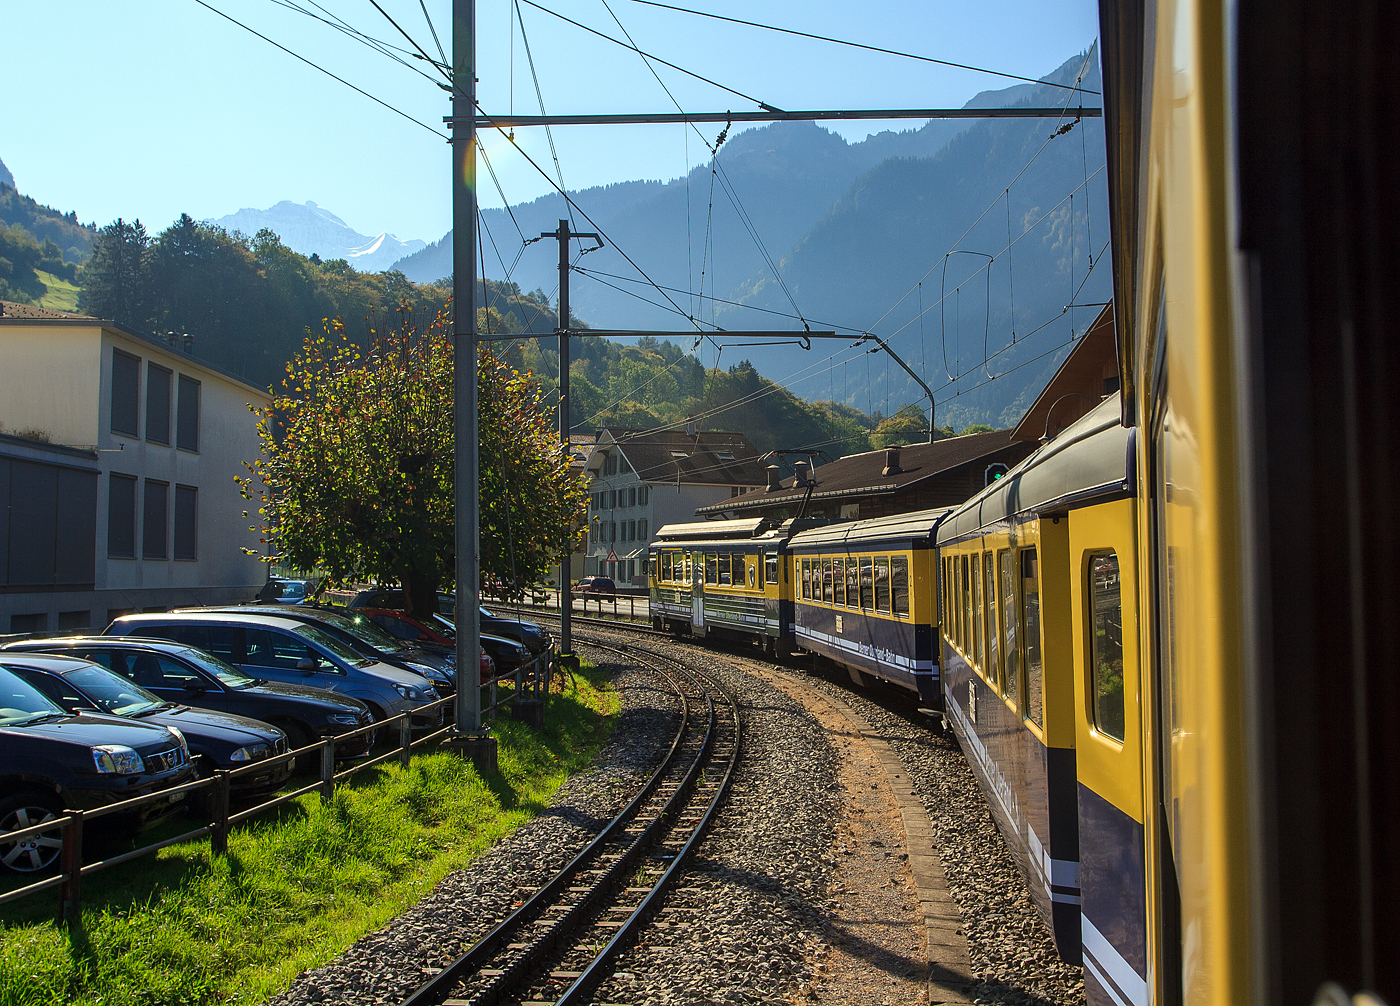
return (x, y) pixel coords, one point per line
(853, 45)
(411, 41)
(539, 96)
(315, 66)
(369, 41)
(437, 41)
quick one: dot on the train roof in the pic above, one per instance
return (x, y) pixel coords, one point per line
(710, 529)
(1091, 458)
(918, 524)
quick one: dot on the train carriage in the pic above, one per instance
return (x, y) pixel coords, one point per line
(864, 596)
(1038, 587)
(723, 578)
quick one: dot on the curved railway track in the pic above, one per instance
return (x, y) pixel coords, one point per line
(559, 944)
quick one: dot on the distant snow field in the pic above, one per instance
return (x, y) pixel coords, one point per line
(307, 228)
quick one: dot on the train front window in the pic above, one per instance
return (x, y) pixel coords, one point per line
(989, 603)
(899, 583)
(770, 567)
(976, 633)
(867, 584)
(1030, 633)
(724, 571)
(1010, 623)
(665, 565)
(838, 580)
(1106, 644)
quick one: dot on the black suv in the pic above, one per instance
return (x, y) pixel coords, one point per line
(216, 739)
(51, 761)
(178, 673)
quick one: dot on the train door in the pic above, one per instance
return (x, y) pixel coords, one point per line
(1108, 741)
(697, 591)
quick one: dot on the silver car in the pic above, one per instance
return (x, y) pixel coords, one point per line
(292, 652)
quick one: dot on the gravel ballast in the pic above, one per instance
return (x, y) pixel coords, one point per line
(385, 966)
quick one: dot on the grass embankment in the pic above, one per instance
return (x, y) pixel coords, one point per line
(61, 294)
(295, 889)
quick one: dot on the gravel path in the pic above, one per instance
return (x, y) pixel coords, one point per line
(384, 966)
(1010, 947)
(761, 878)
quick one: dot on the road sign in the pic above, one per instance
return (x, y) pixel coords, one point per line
(612, 555)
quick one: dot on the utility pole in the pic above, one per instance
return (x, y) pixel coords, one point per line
(566, 600)
(465, 435)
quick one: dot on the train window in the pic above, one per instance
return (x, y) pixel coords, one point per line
(770, 567)
(753, 572)
(1030, 634)
(1010, 625)
(899, 583)
(711, 567)
(989, 603)
(724, 564)
(806, 578)
(1106, 644)
(965, 612)
(882, 584)
(665, 565)
(838, 580)
(827, 589)
(867, 584)
(852, 583)
(975, 582)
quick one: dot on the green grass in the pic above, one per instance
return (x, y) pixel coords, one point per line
(295, 889)
(61, 294)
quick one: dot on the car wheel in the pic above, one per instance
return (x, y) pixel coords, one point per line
(297, 735)
(37, 852)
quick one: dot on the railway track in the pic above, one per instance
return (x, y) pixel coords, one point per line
(561, 942)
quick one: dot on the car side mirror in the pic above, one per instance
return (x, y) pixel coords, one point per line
(307, 664)
(196, 687)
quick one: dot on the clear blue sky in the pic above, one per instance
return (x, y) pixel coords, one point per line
(150, 108)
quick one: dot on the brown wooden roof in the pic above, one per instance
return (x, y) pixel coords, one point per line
(12, 309)
(1093, 360)
(860, 474)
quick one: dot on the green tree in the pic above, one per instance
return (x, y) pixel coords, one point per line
(356, 474)
(117, 278)
(975, 428)
(907, 426)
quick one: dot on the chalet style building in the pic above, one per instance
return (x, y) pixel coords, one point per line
(879, 483)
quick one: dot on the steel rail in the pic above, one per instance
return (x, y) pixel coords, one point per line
(431, 992)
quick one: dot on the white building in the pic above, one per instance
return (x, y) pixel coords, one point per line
(117, 461)
(643, 480)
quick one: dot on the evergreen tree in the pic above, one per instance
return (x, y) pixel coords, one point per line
(117, 279)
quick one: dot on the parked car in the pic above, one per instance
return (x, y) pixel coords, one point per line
(393, 597)
(403, 626)
(280, 590)
(596, 585)
(51, 760)
(216, 740)
(366, 638)
(178, 673)
(281, 649)
(529, 634)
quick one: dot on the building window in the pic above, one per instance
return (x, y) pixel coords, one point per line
(69, 620)
(610, 464)
(158, 404)
(186, 522)
(642, 531)
(612, 499)
(187, 437)
(126, 393)
(632, 496)
(643, 495)
(121, 516)
(154, 520)
(30, 623)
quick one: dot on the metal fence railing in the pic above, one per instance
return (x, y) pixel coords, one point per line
(531, 682)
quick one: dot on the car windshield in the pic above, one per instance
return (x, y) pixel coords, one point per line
(443, 625)
(335, 647)
(365, 630)
(21, 702)
(228, 675)
(113, 693)
(293, 590)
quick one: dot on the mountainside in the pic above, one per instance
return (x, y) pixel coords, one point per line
(5, 177)
(882, 249)
(45, 223)
(309, 229)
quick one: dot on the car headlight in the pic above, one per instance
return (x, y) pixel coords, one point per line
(431, 673)
(180, 739)
(410, 693)
(346, 719)
(253, 752)
(523, 652)
(117, 759)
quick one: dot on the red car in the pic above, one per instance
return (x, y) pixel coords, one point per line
(596, 585)
(404, 626)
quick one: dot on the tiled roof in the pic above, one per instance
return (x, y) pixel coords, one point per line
(11, 309)
(859, 474)
(709, 457)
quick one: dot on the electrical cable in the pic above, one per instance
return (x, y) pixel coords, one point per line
(539, 96)
(412, 41)
(369, 41)
(437, 41)
(856, 45)
(322, 69)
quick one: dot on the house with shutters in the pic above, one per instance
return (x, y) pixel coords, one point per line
(641, 480)
(118, 453)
